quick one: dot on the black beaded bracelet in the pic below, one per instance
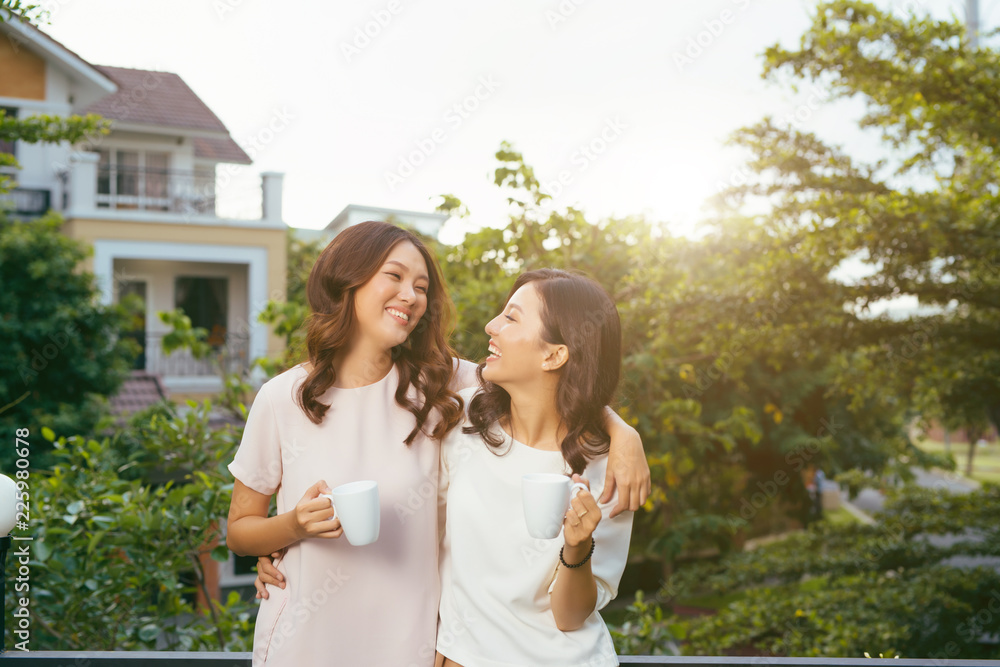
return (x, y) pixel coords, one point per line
(593, 543)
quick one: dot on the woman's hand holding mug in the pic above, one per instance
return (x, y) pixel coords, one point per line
(582, 517)
(314, 516)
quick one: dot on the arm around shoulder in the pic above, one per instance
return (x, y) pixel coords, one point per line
(628, 469)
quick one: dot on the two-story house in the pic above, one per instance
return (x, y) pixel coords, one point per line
(144, 197)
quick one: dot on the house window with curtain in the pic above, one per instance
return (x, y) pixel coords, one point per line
(127, 179)
(133, 179)
(155, 181)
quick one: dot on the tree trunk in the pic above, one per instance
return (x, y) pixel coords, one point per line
(947, 441)
(668, 563)
(974, 435)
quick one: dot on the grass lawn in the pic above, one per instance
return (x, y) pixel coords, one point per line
(839, 517)
(985, 464)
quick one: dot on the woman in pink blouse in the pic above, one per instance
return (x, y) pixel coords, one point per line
(373, 402)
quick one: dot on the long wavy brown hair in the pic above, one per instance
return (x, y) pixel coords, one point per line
(424, 361)
(577, 313)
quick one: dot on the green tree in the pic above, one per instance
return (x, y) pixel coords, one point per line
(924, 219)
(288, 317)
(62, 349)
(733, 344)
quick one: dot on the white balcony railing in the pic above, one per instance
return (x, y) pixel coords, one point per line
(120, 192)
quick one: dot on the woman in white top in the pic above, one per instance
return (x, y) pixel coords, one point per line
(507, 598)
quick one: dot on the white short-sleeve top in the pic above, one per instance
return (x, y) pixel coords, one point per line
(496, 579)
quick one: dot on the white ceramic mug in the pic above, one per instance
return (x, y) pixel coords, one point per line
(546, 497)
(356, 505)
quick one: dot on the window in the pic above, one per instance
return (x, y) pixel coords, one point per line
(206, 302)
(8, 146)
(127, 174)
(103, 175)
(133, 179)
(137, 328)
(156, 175)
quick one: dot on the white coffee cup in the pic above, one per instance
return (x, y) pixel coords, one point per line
(356, 505)
(546, 497)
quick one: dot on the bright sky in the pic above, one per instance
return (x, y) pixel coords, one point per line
(628, 101)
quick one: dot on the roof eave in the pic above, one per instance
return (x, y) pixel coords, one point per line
(63, 57)
(175, 131)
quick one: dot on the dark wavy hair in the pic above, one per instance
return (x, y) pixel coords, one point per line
(578, 313)
(424, 361)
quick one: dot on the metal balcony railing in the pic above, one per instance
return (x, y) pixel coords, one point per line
(147, 189)
(27, 202)
(182, 659)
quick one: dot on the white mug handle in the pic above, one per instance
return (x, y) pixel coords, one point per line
(330, 496)
(577, 488)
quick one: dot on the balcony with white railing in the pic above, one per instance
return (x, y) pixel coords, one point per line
(151, 189)
(97, 189)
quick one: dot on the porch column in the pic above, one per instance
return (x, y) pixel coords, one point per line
(82, 184)
(271, 184)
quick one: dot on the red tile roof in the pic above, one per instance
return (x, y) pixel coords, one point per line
(162, 98)
(220, 150)
(138, 392)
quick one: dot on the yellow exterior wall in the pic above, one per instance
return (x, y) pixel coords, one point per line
(23, 72)
(90, 231)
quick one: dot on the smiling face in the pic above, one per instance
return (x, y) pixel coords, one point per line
(518, 353)
(389, 306)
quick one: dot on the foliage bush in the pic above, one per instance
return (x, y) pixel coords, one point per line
(842, 590)
(115, 557)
